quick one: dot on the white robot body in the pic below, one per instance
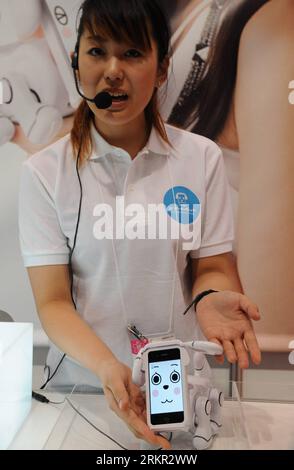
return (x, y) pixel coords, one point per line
(203, 402)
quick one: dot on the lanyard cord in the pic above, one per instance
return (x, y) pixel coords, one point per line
(118, 274)
(171, 317)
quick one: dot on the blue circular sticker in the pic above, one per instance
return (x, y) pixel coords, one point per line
(182, 204)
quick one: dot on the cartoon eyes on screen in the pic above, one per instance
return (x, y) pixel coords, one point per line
(174, 378)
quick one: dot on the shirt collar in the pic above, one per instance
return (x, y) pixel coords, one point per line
(101, 147)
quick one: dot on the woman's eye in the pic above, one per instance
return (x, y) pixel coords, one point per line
(133, 53)
(96, 51)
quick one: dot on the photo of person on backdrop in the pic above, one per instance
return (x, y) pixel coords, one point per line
(37, 106)
(242, 103)
(194, 24)
(89, 287)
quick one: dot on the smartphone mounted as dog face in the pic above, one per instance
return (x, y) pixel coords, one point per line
(175, 399)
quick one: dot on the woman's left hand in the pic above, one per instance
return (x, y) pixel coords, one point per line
(225, 318)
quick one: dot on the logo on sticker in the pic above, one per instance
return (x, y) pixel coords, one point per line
(182, 204)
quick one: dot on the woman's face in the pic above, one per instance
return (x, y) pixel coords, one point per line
(129, 74)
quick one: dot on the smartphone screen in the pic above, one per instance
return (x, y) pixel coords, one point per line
(165, 386)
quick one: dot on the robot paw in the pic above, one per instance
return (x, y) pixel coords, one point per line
(201, 442)
(217, 400)
(202, 436)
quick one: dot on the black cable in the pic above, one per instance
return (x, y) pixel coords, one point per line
(77, 226)
(95, 427)
(49, 373)
(43, 399)
(50, 376)
(39, 397)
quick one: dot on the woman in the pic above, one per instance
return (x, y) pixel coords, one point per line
(242, 104)
(90, 283)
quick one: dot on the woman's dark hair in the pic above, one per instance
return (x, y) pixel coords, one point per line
(208, 106)
(169, 7)
(132, 22)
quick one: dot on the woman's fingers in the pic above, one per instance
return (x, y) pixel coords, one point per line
(249, 307)
(242, 354)
(113, 405)
(135, 393)
(220, 359)
(137, 400)
(141, 430)
(229, 351)
(159, 441)
(237, 349)
(133, 421)
(120, 395)
(138, 426)
(252, 346)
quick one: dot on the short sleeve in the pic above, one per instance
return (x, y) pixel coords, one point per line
(217, 233)
(41, 239)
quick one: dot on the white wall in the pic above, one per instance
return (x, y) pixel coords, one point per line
(15, 292)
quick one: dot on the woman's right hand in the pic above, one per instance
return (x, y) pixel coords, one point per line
(126, 400)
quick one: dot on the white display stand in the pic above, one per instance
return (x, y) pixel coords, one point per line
(74, 431)
(16, 364)
(247, 424)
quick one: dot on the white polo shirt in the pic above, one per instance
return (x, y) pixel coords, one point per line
(143, 281)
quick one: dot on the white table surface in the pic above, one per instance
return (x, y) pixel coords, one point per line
(268, 425)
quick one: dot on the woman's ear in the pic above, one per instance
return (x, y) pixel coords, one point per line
(162, 71)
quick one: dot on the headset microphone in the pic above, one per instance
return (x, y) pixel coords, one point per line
(102, 100)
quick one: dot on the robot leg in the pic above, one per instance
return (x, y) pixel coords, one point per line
(216, 398)
(202, 436)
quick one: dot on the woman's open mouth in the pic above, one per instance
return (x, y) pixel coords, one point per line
(118, 97)
(119, 100)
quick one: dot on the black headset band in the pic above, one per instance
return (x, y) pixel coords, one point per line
(75, 59)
